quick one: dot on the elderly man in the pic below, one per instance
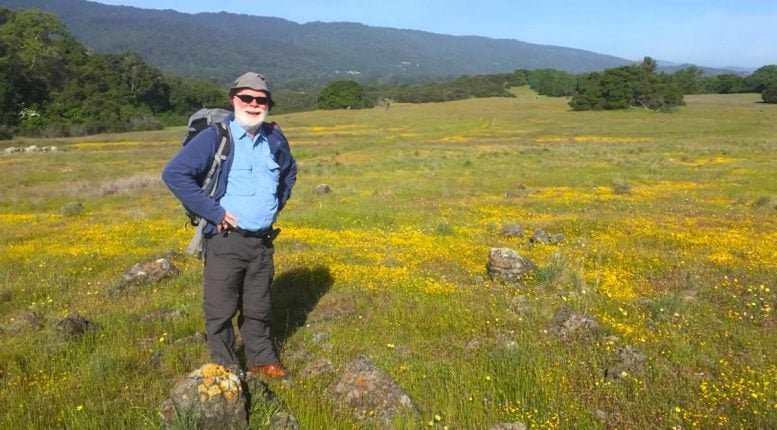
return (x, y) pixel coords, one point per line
(252, 187)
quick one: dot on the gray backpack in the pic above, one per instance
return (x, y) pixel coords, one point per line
(201, 120)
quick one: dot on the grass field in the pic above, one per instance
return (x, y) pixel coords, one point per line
(669, 225)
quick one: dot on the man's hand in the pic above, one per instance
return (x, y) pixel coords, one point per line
(229, 221)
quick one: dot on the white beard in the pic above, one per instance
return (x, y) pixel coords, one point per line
(250, 123)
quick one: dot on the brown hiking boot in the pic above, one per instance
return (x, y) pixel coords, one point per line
(273, 370)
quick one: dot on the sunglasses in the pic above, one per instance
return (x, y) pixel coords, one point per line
(261, 100)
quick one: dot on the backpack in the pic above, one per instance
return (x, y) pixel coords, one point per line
(201, 120)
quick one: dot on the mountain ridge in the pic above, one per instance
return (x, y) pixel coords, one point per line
(216, 45)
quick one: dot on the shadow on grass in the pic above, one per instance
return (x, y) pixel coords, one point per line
(295, 294)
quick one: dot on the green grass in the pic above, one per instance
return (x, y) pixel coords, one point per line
(669, 228)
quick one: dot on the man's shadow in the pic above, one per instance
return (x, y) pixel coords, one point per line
(295, 293)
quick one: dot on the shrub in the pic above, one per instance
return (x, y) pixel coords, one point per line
(6, 132)
(769, 95)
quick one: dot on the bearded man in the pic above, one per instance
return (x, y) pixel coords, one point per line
(251, 189)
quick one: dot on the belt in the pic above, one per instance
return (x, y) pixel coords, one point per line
(252, 233)
(266, 233)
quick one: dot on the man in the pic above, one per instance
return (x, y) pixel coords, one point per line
(253, 186)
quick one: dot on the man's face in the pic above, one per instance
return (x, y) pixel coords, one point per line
(250, 108)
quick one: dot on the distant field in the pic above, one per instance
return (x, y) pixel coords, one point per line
(669, 226)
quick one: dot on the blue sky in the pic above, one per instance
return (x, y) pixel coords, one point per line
(715, 33)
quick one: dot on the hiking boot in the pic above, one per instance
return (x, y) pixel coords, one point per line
(273, 370)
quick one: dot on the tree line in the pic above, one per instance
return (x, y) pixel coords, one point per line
(50, 85)
(639, 85)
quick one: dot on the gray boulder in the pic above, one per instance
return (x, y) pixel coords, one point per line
(144, 273)
(323, 189)
(208, 398)
(569, 323)
(506, 264)
(509, 426)
(74, 326)
(371, 395)
(541, 236)
(629, 361)
(513, 230)
(72, 209)
(318, 367)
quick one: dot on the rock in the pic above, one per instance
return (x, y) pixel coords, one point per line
(196, 338)
(472, 345)
(518, 192)
(568, 323)
(518, 304)
(144, 273)
(320, 366)
(210, 397)
(333, 308)
(301, 246)
(320, 338)
(258, 390)
(541, 236)
(31, 148)
(283, 420)
(163, 315)
(601, 415)
(72, 209)
(629, 361)
(513, 230)
(508, 265)
(508, 426)
(74, 326)
(170, 254)
(323, 189)
(26, 321)
(371, 395)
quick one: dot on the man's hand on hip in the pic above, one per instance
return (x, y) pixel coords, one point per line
(229, 221)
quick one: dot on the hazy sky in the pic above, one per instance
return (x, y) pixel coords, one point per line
(714, 33)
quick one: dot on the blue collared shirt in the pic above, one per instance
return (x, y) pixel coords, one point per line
(252, 182)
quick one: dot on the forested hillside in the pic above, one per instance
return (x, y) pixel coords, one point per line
(300, 56)
(52, 85)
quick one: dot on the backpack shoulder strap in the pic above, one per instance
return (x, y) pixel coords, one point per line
(269, 127)
(210, 183)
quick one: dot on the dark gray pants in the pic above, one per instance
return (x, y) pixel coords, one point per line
(238, 276)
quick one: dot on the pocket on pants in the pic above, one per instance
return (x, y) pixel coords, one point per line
(216, 273)
(216, 267)
(217, 245)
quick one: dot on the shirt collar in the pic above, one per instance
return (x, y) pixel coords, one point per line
(238, 132)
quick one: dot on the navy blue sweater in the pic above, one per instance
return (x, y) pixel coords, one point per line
(185, 171)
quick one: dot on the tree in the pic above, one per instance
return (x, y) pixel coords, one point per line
(41, 44)
(728, 83)
(762, 78)
(690, 80)
(519, 78)
(552, 82)
(189, 95)
(769, 94)
(143, 83)
(344, 94)
(36, 56)
(623, 87)
(590, 93)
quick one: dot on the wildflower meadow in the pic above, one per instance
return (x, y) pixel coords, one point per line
(669, 225)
